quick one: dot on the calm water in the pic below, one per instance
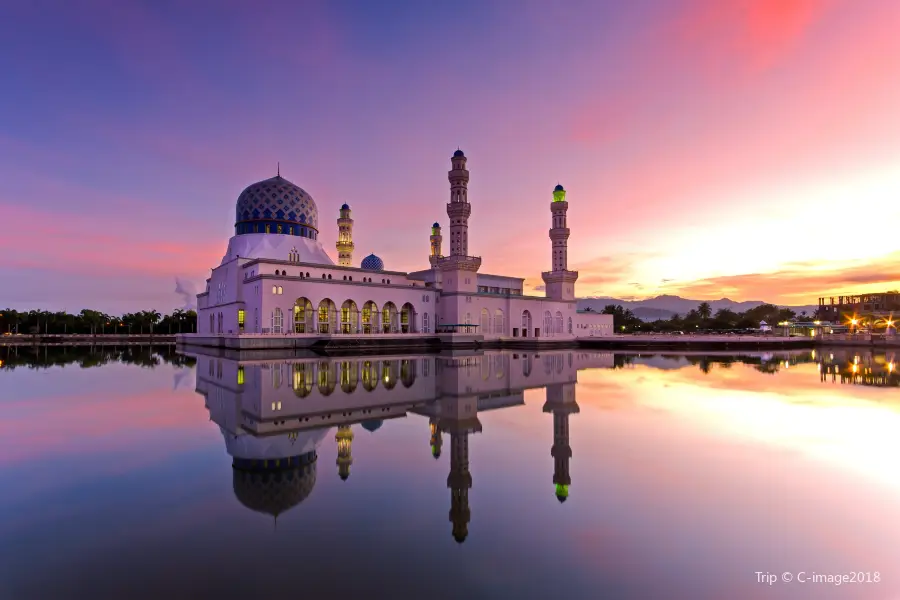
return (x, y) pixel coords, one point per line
(145, 474)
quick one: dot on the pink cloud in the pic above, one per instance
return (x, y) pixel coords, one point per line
(103, 244)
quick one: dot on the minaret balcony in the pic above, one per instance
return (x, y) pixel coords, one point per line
(456, 262)
(559, 276)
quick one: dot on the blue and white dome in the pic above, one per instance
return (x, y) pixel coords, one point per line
(276, 206)
(372, 263)
(372, 425)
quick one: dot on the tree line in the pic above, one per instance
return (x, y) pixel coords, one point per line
(86, 357)
(702, 318)
(95, 322)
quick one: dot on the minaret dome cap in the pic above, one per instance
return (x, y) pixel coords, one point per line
(458, 153)
(345, 206)
(559, 188)
(437, 225)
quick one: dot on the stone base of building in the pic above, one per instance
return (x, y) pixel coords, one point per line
(334, 343)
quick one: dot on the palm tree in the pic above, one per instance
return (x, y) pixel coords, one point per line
(704, 310)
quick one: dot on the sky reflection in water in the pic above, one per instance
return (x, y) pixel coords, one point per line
(686, 479)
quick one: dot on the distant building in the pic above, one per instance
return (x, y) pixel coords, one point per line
(840, 308)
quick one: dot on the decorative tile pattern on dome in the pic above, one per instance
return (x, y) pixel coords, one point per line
(372, 263)
(279, 197)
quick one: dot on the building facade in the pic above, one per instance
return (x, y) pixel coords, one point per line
(277, 279)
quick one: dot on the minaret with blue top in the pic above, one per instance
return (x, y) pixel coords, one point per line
(459, 269)
(559, 282)
(345, 237)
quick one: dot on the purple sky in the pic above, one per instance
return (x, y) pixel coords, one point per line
(128, 129)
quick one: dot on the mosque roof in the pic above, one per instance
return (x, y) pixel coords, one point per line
(277, 199)
(372, 263)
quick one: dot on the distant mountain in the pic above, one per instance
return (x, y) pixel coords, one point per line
(663, 307)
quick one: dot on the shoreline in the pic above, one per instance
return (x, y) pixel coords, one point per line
(349, 343)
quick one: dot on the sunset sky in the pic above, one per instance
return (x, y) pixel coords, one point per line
(746, 149)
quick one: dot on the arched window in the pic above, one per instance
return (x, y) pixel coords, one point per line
(277, 321)
(212, 323)
(570, 331)
(548, 323)
(425, 327)
(485, 321)
(559, 322)
(499, 325)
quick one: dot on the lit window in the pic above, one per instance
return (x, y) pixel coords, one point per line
(274, 289)
(240, 376)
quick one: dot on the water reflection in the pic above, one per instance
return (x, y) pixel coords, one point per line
(632, 475)
(273, 431)
(45, 357)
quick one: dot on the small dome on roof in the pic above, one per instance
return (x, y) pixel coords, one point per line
(372, 263)
(372, 424)
(559, 188)
(345, 206)
(458, 153)
(436, 225)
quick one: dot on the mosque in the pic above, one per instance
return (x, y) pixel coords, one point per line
(275, 415)
(277, 280)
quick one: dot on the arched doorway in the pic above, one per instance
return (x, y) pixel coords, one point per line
(369, 317)
(570, 333)
(526, 323)
(369, 375)
(389, 373)
(407, 372)
(304, 377)
(485, 328)
(559, 322)
(499, 325)
(407, 318)
(277, 321)
(349, 317)
(326, 316)
(548, 323)
(389, 318)
(303, 316)
(349, 375)
(327, 379)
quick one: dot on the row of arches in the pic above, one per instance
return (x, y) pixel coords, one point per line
(553, 324)
(327, 376)
(326, 318)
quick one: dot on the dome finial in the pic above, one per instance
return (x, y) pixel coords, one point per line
(278, 169)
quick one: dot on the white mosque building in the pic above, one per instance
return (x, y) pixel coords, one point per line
(277, 281)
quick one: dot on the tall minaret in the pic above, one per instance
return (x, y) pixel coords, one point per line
(459, 209)
(344, 439)
(436, 240)
(560, 282)
(345, 237)
(459, 418)
(458, 270)
(561, 402)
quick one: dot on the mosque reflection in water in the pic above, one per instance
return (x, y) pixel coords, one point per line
(274, 414)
